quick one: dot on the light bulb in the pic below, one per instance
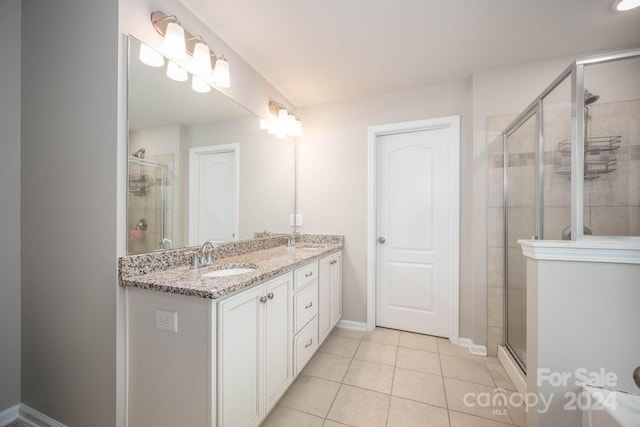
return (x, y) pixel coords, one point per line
(201, 62)
(624, 5)
(174, 44)
(176, 72)
(297, 128)
(221, 75)
(199, 85)
(150, 57)
(264, 125)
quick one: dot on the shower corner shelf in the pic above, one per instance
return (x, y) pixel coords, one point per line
(598, 156)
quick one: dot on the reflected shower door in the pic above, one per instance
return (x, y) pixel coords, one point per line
(520, 212)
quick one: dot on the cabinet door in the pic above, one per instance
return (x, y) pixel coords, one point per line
(278, 327)
(336, 288)
(239, 341)
(324, 305)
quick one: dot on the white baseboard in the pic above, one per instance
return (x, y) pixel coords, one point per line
(34, 418)
(9, 415)
(478, 350)
(513, 371)
(348, 324)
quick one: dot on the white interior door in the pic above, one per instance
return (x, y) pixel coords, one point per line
(413, 223)
(214, 195)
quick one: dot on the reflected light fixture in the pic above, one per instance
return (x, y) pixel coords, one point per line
(282, 123)
(150, 57)
(178, 44)
(199, 85)
(176, 72)
(624, 5)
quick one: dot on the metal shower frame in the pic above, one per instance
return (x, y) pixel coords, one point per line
(576, 72)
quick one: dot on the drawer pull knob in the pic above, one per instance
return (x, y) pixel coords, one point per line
(263, 299)
(309, 274)
(309, 306)
(309, 344)
(270, 295)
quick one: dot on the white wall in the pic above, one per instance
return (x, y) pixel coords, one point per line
(332, 178)
(581, 315)
(68, 176)
(10, 203)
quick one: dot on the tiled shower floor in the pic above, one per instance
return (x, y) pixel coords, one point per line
(392, 378)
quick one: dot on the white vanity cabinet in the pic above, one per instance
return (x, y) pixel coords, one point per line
(254, 352)
(305, 342)
(330, 286)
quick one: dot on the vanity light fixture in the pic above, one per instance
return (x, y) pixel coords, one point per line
(624, 5)
(179, 43)
(200, 85)
(283, 123)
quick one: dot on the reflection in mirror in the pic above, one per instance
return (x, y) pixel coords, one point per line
(199, 167)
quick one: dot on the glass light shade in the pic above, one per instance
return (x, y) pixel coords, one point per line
(199, 85)
(176, 72)
(174, 44)
(221, 75)
(623, 5)
(150, 57)
(297, 128)
(264, 125)
(201, 61)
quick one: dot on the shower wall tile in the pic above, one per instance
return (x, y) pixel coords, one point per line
(634, 181)
(495, 189)
(495, 228)
(521, 224)
(496, 304)
(556, 219)
(634, 221)
(522, 186)
(557, 188)
(516, 270)
(516, 308)
(495, 337)
(610, 221)
(495, 267)
(611, 189)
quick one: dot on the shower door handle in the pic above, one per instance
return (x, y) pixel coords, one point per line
(381, 240)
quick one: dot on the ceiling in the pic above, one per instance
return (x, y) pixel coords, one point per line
(329, 50)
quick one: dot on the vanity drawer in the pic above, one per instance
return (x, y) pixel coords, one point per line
(305, 306)
(305, 275)
(306, 344)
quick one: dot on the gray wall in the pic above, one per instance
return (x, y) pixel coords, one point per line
(10, 203)
(68, 173)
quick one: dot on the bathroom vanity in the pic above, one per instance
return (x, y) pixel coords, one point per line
(221, 351)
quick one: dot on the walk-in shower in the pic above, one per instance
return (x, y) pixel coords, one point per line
(147, 205)
(571, 163)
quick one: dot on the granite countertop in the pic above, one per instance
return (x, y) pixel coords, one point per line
(268, 263)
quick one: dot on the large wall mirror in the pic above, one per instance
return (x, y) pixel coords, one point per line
(199, 167)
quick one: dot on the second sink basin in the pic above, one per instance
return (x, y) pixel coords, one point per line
(233, 271)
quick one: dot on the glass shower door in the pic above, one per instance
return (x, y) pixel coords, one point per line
(520, 213)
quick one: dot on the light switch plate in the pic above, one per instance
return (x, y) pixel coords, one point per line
(167, 320)
(299, 220)
(292, 220)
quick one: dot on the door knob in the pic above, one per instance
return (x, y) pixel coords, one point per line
(381, 240)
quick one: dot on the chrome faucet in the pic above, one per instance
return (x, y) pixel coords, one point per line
(203, 256)
(166, 243)
(292, 239)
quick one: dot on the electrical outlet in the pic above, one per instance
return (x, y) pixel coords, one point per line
(299, 220)
(167, 320)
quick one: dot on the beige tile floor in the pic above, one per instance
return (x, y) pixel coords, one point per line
(395, 379)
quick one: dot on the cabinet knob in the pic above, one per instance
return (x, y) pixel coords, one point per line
(309, 306)
(270, 295)
(333, 262)
(309, 343)
(381, 240)
(263, 299)
(309, 274)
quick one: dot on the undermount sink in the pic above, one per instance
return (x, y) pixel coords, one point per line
(225, 272)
